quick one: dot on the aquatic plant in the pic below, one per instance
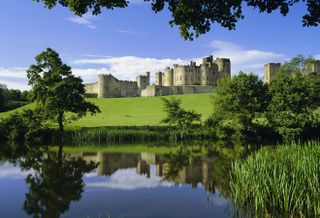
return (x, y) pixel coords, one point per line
(279, 182)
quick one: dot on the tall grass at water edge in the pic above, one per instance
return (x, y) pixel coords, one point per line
(279, 182)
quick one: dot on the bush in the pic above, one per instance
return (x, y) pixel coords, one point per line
(177, 116)
(26, 126)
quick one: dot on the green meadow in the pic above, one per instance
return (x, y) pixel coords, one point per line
(140, 111)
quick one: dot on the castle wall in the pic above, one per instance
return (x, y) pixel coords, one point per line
(155, 90)
(91, 88)
(111, 87)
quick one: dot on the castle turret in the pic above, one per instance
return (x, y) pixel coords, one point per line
(159, 78)
(270, 71)
(207, 60)
(207, 70)
(143, 80)
(102, 86)
(167, 79)
(206, 74)
(224, 67)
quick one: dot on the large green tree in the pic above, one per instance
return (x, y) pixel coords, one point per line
(239, 106)
(293, 108)
(56, 90)
(195, 17)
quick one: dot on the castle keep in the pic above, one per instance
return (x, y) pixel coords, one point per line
(181, 79)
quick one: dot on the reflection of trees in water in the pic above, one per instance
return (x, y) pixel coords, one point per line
(55, 182)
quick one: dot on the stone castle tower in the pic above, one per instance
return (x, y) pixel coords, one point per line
(143, 80)
(270, 71)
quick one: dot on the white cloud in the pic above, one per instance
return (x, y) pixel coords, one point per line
(14, 78)
(247, 60)
(317, 57)
(128, 179)
(133, 32)
(84, 20)
(128, 67)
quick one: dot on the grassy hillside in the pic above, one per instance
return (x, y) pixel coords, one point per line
(136, 111)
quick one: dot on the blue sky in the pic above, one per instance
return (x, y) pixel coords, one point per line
(130, 41)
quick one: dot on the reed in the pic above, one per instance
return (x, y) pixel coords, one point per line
(129, 134)
(279, 182)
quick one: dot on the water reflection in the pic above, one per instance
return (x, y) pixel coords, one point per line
(178, 168)
(54, 180)
(132, 185)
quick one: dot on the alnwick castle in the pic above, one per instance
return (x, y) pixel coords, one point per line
(181, 79)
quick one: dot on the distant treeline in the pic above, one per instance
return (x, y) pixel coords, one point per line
(12, 98)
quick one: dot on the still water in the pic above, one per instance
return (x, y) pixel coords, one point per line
(114, 185)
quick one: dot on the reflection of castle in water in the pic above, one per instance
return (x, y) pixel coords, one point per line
(192, 174)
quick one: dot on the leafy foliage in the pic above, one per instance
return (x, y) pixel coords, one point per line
(17, 95)
(56, 89)
(177, 116)
(196, 17)
(22, 127)
(239, 106)
(294, 101)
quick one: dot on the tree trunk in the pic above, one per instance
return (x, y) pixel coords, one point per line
(60, 121)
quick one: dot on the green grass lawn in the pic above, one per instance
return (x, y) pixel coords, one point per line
(140, 111)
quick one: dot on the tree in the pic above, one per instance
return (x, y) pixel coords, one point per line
(295, 100)
(56, 90)
(239, 105)
(296, 65)
(3, 95)
(195, 17)
(179, 117)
